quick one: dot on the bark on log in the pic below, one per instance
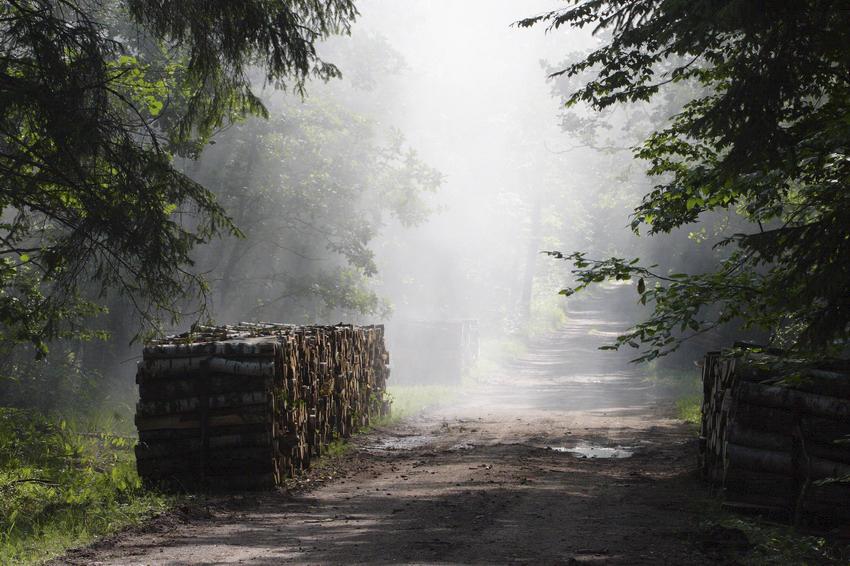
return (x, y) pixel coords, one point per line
(758, 460)
(781, 463)
(191, 404)
(742, 480)
(170, 435)
(295, 387)
(185, 446)
(745, 436)
(263, 347)
(249, 414)
(164, 368)
(228, 482)
(768, 431)
(170, 389)
(783, 397)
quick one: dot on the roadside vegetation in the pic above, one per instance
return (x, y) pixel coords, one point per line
(119, 249)
(409, 400)
(64, 483)
(161, 166)
(689, 409)
(683, 385)
(67, 482)
(737, 539)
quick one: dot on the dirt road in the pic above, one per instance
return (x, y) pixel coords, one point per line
(488, 480)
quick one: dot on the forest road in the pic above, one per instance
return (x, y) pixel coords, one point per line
(491, 479)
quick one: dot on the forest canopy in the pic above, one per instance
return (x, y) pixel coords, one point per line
(766, 135)
(97, 100)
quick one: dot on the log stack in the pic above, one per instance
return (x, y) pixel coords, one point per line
(775, 434)
(245, 406)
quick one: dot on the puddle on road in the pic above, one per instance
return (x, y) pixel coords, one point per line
(584, 450)
(393, 443)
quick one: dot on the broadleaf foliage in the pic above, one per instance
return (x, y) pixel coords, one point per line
(769, 138)
(96, 100)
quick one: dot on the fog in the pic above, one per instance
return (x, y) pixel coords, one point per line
(420, 188)
(475, 101)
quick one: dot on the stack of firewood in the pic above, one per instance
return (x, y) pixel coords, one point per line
(244, 406)
(775, 434)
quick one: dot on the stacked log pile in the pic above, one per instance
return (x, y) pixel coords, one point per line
(775, 435)
(245, 406)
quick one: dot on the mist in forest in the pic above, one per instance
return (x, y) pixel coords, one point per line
(419, 188)
(515, 252)
(443, 215)
(472, 96)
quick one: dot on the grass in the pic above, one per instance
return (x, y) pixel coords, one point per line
(676, 382)
(683, 385)
(689, 409)
(772, 544)
(64, 484)
(409, 400)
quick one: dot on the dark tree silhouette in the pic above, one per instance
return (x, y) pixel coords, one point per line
(770, 138)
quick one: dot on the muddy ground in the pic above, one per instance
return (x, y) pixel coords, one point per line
(489, 479)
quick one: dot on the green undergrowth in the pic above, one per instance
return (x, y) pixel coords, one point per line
(409, 400)
(674, 382)
(325, 466)
(339, 446)
(684, 386)
(771, 544)
(64, 483)
(689, 409)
